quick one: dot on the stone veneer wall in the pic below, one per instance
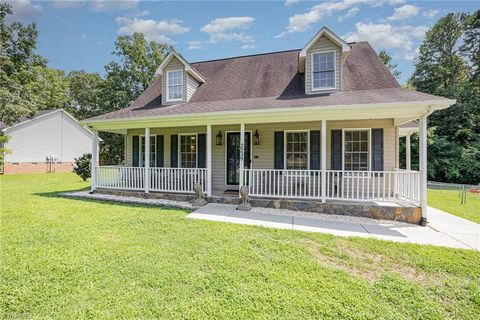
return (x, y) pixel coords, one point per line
(367, 210)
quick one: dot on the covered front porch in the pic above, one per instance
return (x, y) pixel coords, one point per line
(303, 162)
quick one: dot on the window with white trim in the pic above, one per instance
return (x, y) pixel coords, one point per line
(153, 151)
(323, 70)
(188, 151)
(296, 150)
(174, 85)
(356, 150)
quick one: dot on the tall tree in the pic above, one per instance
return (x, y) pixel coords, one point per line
(454, 134)
(17, 64)
(387, 60)
(85, 91)
(471, 45)
(125, 80)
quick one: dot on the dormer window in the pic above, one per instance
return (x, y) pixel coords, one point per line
(323, 70)
(174, 85)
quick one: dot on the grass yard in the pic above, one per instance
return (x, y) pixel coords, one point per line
(449, 201)
(65, 258)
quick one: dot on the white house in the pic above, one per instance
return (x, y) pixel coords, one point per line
(48, 142)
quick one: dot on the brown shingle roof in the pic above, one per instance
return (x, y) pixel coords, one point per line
(272, 80)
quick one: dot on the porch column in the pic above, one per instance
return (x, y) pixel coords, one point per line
(94, 160)
(146, 161)
(242, 148)
(209, 160)
(397, 147)
(323, 145)
(408, 155)
(423, 165)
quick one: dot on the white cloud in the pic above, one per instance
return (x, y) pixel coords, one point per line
(247, 46)
(301, 22)
(194, 45)
(153, 30)
(85, 36)
(386, 36)
(404, 12)
(429, 14)
(112, 5)
(24, 10)
(229, 29)
(350, 13)
(291, 2)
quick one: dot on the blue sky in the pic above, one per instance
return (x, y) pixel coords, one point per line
(80, 35)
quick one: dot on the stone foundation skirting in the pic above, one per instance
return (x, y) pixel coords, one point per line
(395, 212)
(36, 167)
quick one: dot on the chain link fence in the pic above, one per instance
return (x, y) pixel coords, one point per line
(462, 189)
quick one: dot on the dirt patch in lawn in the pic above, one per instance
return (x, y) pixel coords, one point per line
(367, 265)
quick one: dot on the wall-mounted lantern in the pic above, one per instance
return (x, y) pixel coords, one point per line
(219, 138)
(256, 138)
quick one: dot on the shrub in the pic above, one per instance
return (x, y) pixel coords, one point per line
(83, 166)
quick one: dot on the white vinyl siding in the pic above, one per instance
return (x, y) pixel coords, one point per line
(323, 44)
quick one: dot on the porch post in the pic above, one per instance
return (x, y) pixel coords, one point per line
(209, 160)
(408, 155)
(94, 160)
(423, 165)
(242, 148)
(397, 147)
(146, 161)
(323, 161)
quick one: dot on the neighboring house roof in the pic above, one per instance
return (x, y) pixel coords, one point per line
(25, 119)
(272, 80)
(40, 114)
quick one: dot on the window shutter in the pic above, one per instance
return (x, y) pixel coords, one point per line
(278, 146)
(336, 150)
(201, 150)
(377, 149)
(159, 151)
(135, 151)
(315, 150)
(174, 151)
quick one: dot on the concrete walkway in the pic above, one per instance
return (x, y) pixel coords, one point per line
(384, 230)
(465, 231)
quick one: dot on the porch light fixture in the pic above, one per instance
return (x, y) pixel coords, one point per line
(256, 138)
(219, 138)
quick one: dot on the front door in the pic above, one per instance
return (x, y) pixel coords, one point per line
(233, 156)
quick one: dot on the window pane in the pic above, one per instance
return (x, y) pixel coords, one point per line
(188, 151)
(356, 150)
(297, 150)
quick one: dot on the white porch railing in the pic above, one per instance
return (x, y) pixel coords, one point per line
(339, 185)
(283, 183)
(161, 179)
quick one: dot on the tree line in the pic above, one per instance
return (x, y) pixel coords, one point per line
(28, 85)
(447, 65)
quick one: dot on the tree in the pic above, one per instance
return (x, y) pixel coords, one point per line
(125, 80)
(83, 166)
(85, 91)
(17, 63)
(454, 138)
(387, 60)
(471, 45)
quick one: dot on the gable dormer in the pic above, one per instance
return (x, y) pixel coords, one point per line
(179, 79)
(321, 61)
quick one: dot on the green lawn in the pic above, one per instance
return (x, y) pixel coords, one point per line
(65, 258)
(449, 201)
